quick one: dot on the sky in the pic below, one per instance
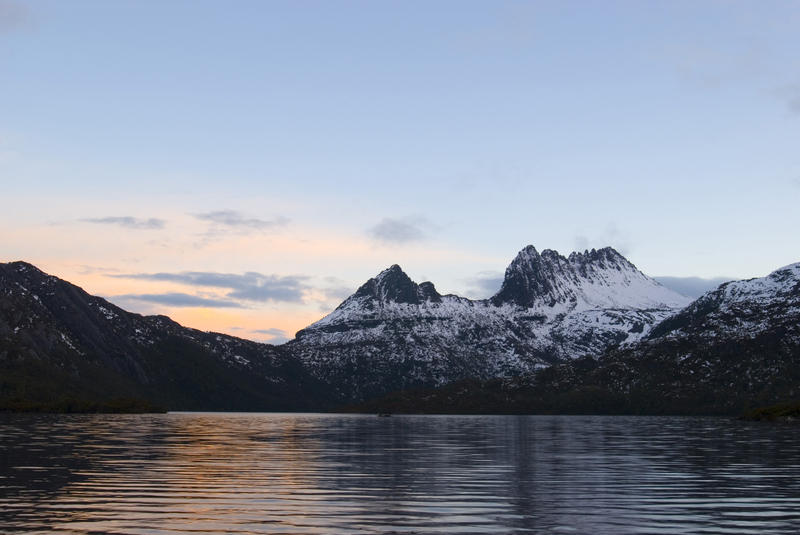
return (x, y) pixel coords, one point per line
(243, 166)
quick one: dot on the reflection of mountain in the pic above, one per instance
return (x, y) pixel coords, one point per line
(51, 464)
(282, 473)
(58, 343)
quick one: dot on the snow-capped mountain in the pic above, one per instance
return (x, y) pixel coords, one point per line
(60, 345)
(393, 333)
(590, 280)
(741, 309)
(733, 349)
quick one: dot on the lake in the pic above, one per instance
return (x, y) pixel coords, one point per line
(326, 473)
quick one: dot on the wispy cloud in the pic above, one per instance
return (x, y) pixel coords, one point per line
(484, 284)
(790, 94)
(271, 332)
(611, 236)
(333, 291)
(714, 64)
(400, 231)
(336, 289)
(177, 299)
(691, 286)
(249, 286)
(92, 270)
(151, 223)
(12, 15)
(794, 100)
(274, 336)
(232, 218)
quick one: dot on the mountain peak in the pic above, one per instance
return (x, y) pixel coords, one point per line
(529, 277)
(393, 285)
(22, 266)
(598, 255)
(597, 277)
(392, 270)
(25, 273)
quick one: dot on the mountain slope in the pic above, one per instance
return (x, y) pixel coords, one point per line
(59, 343)
(734, 348)
(393, 334)
(596, 279)
(736, 345)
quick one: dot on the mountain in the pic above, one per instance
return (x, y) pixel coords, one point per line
(732, 349)
(61, 347)
(583, 333)
(596, 279)
(393, 334)
(736, 345)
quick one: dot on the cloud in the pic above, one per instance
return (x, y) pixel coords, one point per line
(271, 332)
(611, 236)
(794, 103)
(336, 289)
(399, 231)
(249, 286)
(791, 95)
(128, 222)
(177, 299)
(485, 284)
(581, 242)
(92, 270)
(691, 286)
(333, 293)
(12, 15)
(232, 218)
(719, 63)
(274, 336)
(226, 222)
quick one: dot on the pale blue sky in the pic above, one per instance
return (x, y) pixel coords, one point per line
(443, 136)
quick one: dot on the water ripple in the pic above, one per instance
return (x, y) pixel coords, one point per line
(306, 473)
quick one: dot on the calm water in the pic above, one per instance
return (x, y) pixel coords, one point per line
(276, 473)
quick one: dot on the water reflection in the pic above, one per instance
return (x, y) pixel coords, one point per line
(276, 473)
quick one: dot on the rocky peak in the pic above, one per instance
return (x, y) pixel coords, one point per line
(21, 269)
(25, 275)
(427, 292)
(605, 258)
(529, 277)
(597, 278)
(393, 285)
(19, 265)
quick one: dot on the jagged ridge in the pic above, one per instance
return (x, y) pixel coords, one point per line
(392, 333)
(736, 345)
(733, 349)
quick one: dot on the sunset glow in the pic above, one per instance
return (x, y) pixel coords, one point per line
(323, 166)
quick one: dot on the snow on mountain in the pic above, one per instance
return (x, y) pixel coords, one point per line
(733, 345)
(737, 309)
(393, 333)
(583, 281)
(781, 284)
(733, 348)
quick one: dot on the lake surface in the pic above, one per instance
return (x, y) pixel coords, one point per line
(318, 473)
